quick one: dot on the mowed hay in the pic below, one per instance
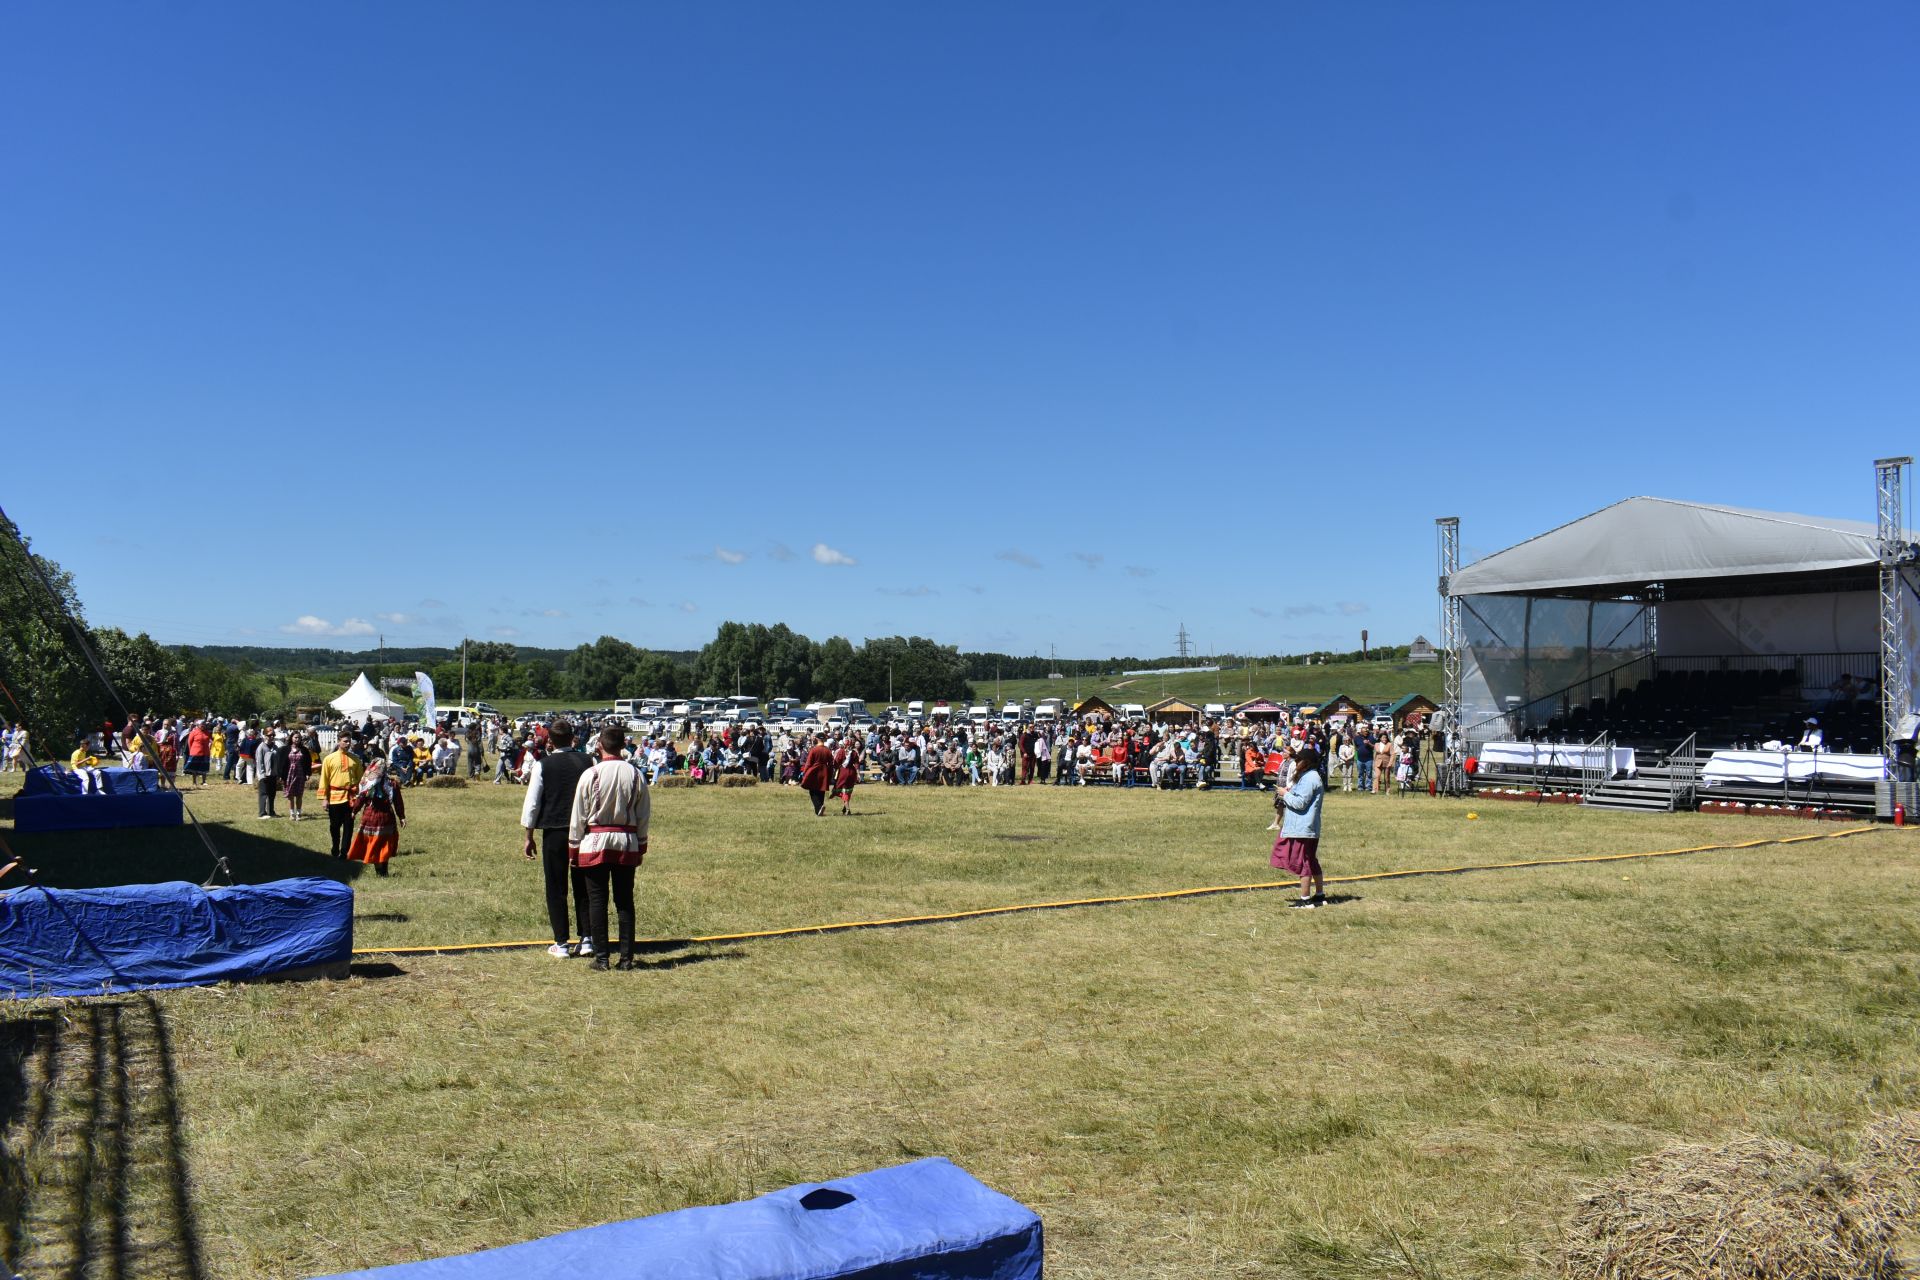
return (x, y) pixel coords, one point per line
(1890, 1164)
(1754, 1208)
(445, 780)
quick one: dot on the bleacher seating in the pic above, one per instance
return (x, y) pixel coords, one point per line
(1727, 709)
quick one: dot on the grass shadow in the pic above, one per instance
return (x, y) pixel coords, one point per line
(695, 957)
(93, 1175)
(375, 969)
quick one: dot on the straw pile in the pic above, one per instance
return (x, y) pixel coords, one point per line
(1755, 1208)
(1890, 1164)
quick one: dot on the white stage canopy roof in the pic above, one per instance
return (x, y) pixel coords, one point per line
(1622, 548)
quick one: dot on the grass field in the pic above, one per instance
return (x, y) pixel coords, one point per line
(1416, 1081)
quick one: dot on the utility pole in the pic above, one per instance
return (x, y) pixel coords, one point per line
(463, 671)
(1183, 643)
(889, 680)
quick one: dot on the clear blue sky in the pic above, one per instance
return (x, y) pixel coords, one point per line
(1044, 323)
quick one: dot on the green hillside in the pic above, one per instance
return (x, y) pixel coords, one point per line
(1363, 681)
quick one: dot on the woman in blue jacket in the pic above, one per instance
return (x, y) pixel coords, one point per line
(1297, 851)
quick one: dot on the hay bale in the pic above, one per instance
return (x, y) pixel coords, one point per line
(1889, 1164)
(739, 780)
(674, 780)
(1754, 1209)
(445, 780)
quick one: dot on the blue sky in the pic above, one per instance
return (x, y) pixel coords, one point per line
(1015, 325)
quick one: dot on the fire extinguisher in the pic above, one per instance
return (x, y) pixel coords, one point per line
(1899, 815)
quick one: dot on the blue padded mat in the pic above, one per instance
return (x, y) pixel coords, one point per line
(50, 800)
(77, 942)
(929, 1220)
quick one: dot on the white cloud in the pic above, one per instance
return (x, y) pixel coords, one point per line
(1351, 607)
(1091, 559)
(505, 633)
(726, 555)
(824, 554)
(782, 552)
(687, 606)
(308, 625)
(1013, 555)
(642, 601)
(397, 619)
(543, 613)
(1139, 571)
(431, 603)
(1258, 612)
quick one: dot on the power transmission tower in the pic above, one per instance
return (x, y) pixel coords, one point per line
(1183, 643)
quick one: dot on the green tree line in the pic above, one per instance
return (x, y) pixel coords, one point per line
(54, 690)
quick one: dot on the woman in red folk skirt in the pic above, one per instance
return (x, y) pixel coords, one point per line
(383, 811)
(846, 773)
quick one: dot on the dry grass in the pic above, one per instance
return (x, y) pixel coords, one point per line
(1422, 1080)
(1756, 1209)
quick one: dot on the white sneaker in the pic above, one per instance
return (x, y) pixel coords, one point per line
(585, 947)
(559, 950)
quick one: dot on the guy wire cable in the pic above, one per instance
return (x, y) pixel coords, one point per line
(220, 866)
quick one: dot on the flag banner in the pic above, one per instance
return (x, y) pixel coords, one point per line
(423, 685)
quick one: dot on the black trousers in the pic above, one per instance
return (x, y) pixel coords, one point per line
(599, 880)
(553, 858)
(269, 788)
(340, 828)
(819, 799)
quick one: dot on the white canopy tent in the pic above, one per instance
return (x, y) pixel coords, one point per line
(1570, 613)
(362, 701)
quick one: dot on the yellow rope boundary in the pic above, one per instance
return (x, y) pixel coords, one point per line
(1164, 895)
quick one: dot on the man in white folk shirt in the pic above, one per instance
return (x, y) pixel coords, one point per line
(607, 840)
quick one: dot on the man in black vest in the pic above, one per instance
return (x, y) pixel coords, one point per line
(551, 781)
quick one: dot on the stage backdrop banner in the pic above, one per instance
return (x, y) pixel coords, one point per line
(81, 942)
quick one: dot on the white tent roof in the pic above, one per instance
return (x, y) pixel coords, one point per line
(362, 700)
(1644, 540)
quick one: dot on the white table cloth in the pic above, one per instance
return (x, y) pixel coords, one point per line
(1790, 766)
(1548, 755)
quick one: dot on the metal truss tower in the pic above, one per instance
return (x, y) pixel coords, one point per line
(1896, 554)
(1453, 772)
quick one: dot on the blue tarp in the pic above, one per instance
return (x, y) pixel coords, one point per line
(50, 800)
(78, 942)
(929, 1220)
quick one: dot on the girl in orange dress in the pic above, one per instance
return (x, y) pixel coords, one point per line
(383, 811)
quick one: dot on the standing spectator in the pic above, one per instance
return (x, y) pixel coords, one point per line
(199, 753)
(607, 840)
(1363, 757)
(476, 757)
(846, 768)
(244, 756)
(269, 767)
(299, 769)
(816, 774)
(1297, 850)
(1344, 756)
(1382, 763)
(548, 809)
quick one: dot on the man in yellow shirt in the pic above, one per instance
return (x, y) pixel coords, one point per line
(339, 774)
(86, 767)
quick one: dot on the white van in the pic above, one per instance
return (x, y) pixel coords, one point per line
(1214, 711)
(1133, 711)
(1046, 713)
(980, 713)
